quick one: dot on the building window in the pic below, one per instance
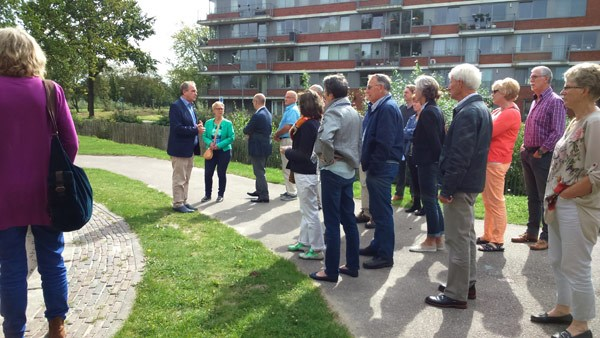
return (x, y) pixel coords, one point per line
(284, 27)
(370, 21)
(582, 40)
(491, 45)
(529, 42)
(445, 15)
(245, 30)
(334, 24)
(535, 9)
(446, 47)
(410, 48)
(334, 52)
(284, 81)
(303, 54)
(285, 54)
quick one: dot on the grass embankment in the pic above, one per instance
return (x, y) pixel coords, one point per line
(516, 205)
(203, 279)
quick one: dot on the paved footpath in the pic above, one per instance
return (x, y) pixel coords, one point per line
(380, 303)
(104, 262)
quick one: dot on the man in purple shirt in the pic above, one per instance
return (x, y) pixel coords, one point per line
(545, 124)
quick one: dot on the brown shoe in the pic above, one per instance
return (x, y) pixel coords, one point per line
(524, 238)
(56, 328)
(539, 245)
(397, 198)
(362, 218)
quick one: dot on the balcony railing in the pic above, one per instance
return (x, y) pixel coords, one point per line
(408, 32)
(377, 3)
(485, 22)
(243, 11)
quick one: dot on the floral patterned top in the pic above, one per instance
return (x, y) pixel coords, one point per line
(576, 155)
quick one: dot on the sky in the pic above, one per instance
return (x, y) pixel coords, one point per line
(170, 16)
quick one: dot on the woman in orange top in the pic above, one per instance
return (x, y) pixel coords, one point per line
(507, 122)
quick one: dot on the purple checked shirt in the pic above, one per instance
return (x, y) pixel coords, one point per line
(545, 123)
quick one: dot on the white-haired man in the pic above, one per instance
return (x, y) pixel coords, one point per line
(462, 165)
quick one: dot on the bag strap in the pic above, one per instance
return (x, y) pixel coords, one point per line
(50, 89)
(217, 132)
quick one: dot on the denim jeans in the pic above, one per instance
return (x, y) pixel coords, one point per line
(338, 207)
(49, 246)
(220, 160)
(535, 174)
(428, 184)
(382, 213)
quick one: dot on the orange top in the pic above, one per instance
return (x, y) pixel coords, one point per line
(507, 123)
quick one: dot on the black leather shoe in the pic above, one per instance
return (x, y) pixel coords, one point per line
(190, 207)
(370, 225)
(420, 212)
(411, 209)
(205, 199)
(378, 263)
(446, 302)
(183, 209)
(567, 334)
(471, 295)
(253, 194)
(260, 200)
(543, 318)
(368, 251)
(344, 270)
(323, 278)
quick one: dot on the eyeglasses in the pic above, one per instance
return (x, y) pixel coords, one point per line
(495, 91)
(369, 86)
(533, 77)
(571, 87)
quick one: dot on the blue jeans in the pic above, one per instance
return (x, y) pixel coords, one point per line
(220, 161)
(428, 184)
(380, 205)
(49, 245)
(338, 207)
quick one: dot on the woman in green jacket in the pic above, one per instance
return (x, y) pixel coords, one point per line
(218, 136)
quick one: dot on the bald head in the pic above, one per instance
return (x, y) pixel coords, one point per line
(258, 101)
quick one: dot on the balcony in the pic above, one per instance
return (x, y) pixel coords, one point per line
(553, 55)
(239, 14)
(289, 39)
(483, 24)
(368, 6)
(411, 32)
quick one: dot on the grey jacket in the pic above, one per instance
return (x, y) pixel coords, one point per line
(339, 136)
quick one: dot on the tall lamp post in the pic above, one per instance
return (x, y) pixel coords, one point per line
(238, 66)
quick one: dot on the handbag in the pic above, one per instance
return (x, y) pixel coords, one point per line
(208, 153)
(70, 195)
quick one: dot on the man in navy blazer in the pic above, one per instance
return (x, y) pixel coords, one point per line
(184, 132)
(259, 130)
(382, 150)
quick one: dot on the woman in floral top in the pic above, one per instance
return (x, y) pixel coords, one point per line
(573, 204)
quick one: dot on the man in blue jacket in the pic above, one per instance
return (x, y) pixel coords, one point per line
(462, 164)
(382, 149)
(184, 129)
(258, 130)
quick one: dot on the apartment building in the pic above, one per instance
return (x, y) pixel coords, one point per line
(268, 45)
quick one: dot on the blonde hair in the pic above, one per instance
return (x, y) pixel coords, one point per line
(509, 88)
(20, 54)
(586, 75)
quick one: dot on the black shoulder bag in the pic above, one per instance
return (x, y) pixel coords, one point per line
(70, 196)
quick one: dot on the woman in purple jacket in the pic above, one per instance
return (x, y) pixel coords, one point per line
(25, 135)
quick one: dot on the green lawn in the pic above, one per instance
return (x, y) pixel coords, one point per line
(203, 279)
(516, 205)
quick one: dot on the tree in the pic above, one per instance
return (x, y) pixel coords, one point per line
(8, 12)
(190, 61)
(82, 36)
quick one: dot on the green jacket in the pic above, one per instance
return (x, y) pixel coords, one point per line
(225, 136)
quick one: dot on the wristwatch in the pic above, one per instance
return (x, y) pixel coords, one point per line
(541, 152)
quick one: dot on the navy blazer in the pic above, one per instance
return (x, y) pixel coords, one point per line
(259, 131)
(429, 134)
(383, 137)
(182, 131)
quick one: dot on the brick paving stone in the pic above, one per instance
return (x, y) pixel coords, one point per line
(103, 260)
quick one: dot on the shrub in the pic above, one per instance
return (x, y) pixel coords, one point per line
(125, 117)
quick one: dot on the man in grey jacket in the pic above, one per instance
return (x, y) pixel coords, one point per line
(462, 165)
(338, 148)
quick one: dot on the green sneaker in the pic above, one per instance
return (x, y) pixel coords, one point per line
(296, 247)
(311, 254)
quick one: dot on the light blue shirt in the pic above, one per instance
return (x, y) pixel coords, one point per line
(291, 114)
(190, 108)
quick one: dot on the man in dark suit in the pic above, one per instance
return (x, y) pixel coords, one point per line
(258, 130)
(183, 143)
(382, 151)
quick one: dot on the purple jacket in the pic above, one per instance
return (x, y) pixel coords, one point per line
(25, 135)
